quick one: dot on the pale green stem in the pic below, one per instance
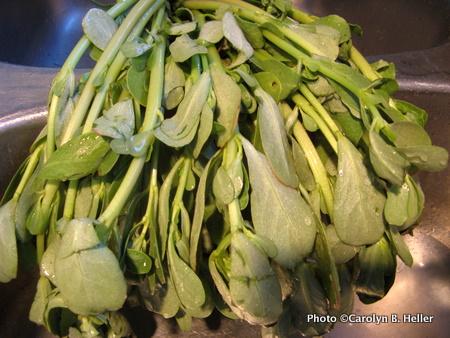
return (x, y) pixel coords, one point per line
(31, 166)
(259, 17)
(305, 106)
(51, 121)
(105, 61)
(317, 167)
(69, 203)
(156, 86)
(115, 69)
(230, 153)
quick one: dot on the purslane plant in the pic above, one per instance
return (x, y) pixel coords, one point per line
(221, 154)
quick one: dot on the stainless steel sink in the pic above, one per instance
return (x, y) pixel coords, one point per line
(36, 36)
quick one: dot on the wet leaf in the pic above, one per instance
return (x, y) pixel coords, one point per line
(254, 286)
(184, 48)
(404, 203)
(252, 32)
(234, 34)
(137, 83)
(428, 158)
(289, 222)
(187, 284)
(358, 203)
(228, 95)
(135, 47)
(76, 158)
(386, 161)
(223, 187)
(274, 139)
(87, 273)
(211, 31)
(409, 134)
(99, 27)
(118, 121)
(181, 129)
(138, 262)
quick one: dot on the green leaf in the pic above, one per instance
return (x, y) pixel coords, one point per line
(87, 273)
(204, 186)
(137, 83)
(409, 134)
(76, 158)
(204, 130)
(58, 319)
(233, 33)
(118, 121)
(428, 158)
(327, 266)
(8, 244)
(173, 84)
(223, 187)
(288, 77)
(138, 262)
(412, 113)
(324, 38)
(109, 160)
(135, 47)
(336, 22)
(84, 199)
(251, 32)
(182, 28)
(47, 264)
(271, 84)
(40, 301)
(188, 285)
(254, 286)
(358, 203)
(228, 95)
(302, 167)
(274, 139)
(308, 297)
(164, 299)
(119, 325)
(400, 246)
(99, 27)
(377, 268)
(29, 196)
(386, 161)
(184, 48)
(342, 252)
(137, 145)
(404, 203)
(289, 222)
(181, 129)
(352, 127)
(211, 31)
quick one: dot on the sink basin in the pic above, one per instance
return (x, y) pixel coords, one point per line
(384, 22)
(49, 28)
(41, 33)
(412, 34)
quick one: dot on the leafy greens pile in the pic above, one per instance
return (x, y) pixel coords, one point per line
(221, 154)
